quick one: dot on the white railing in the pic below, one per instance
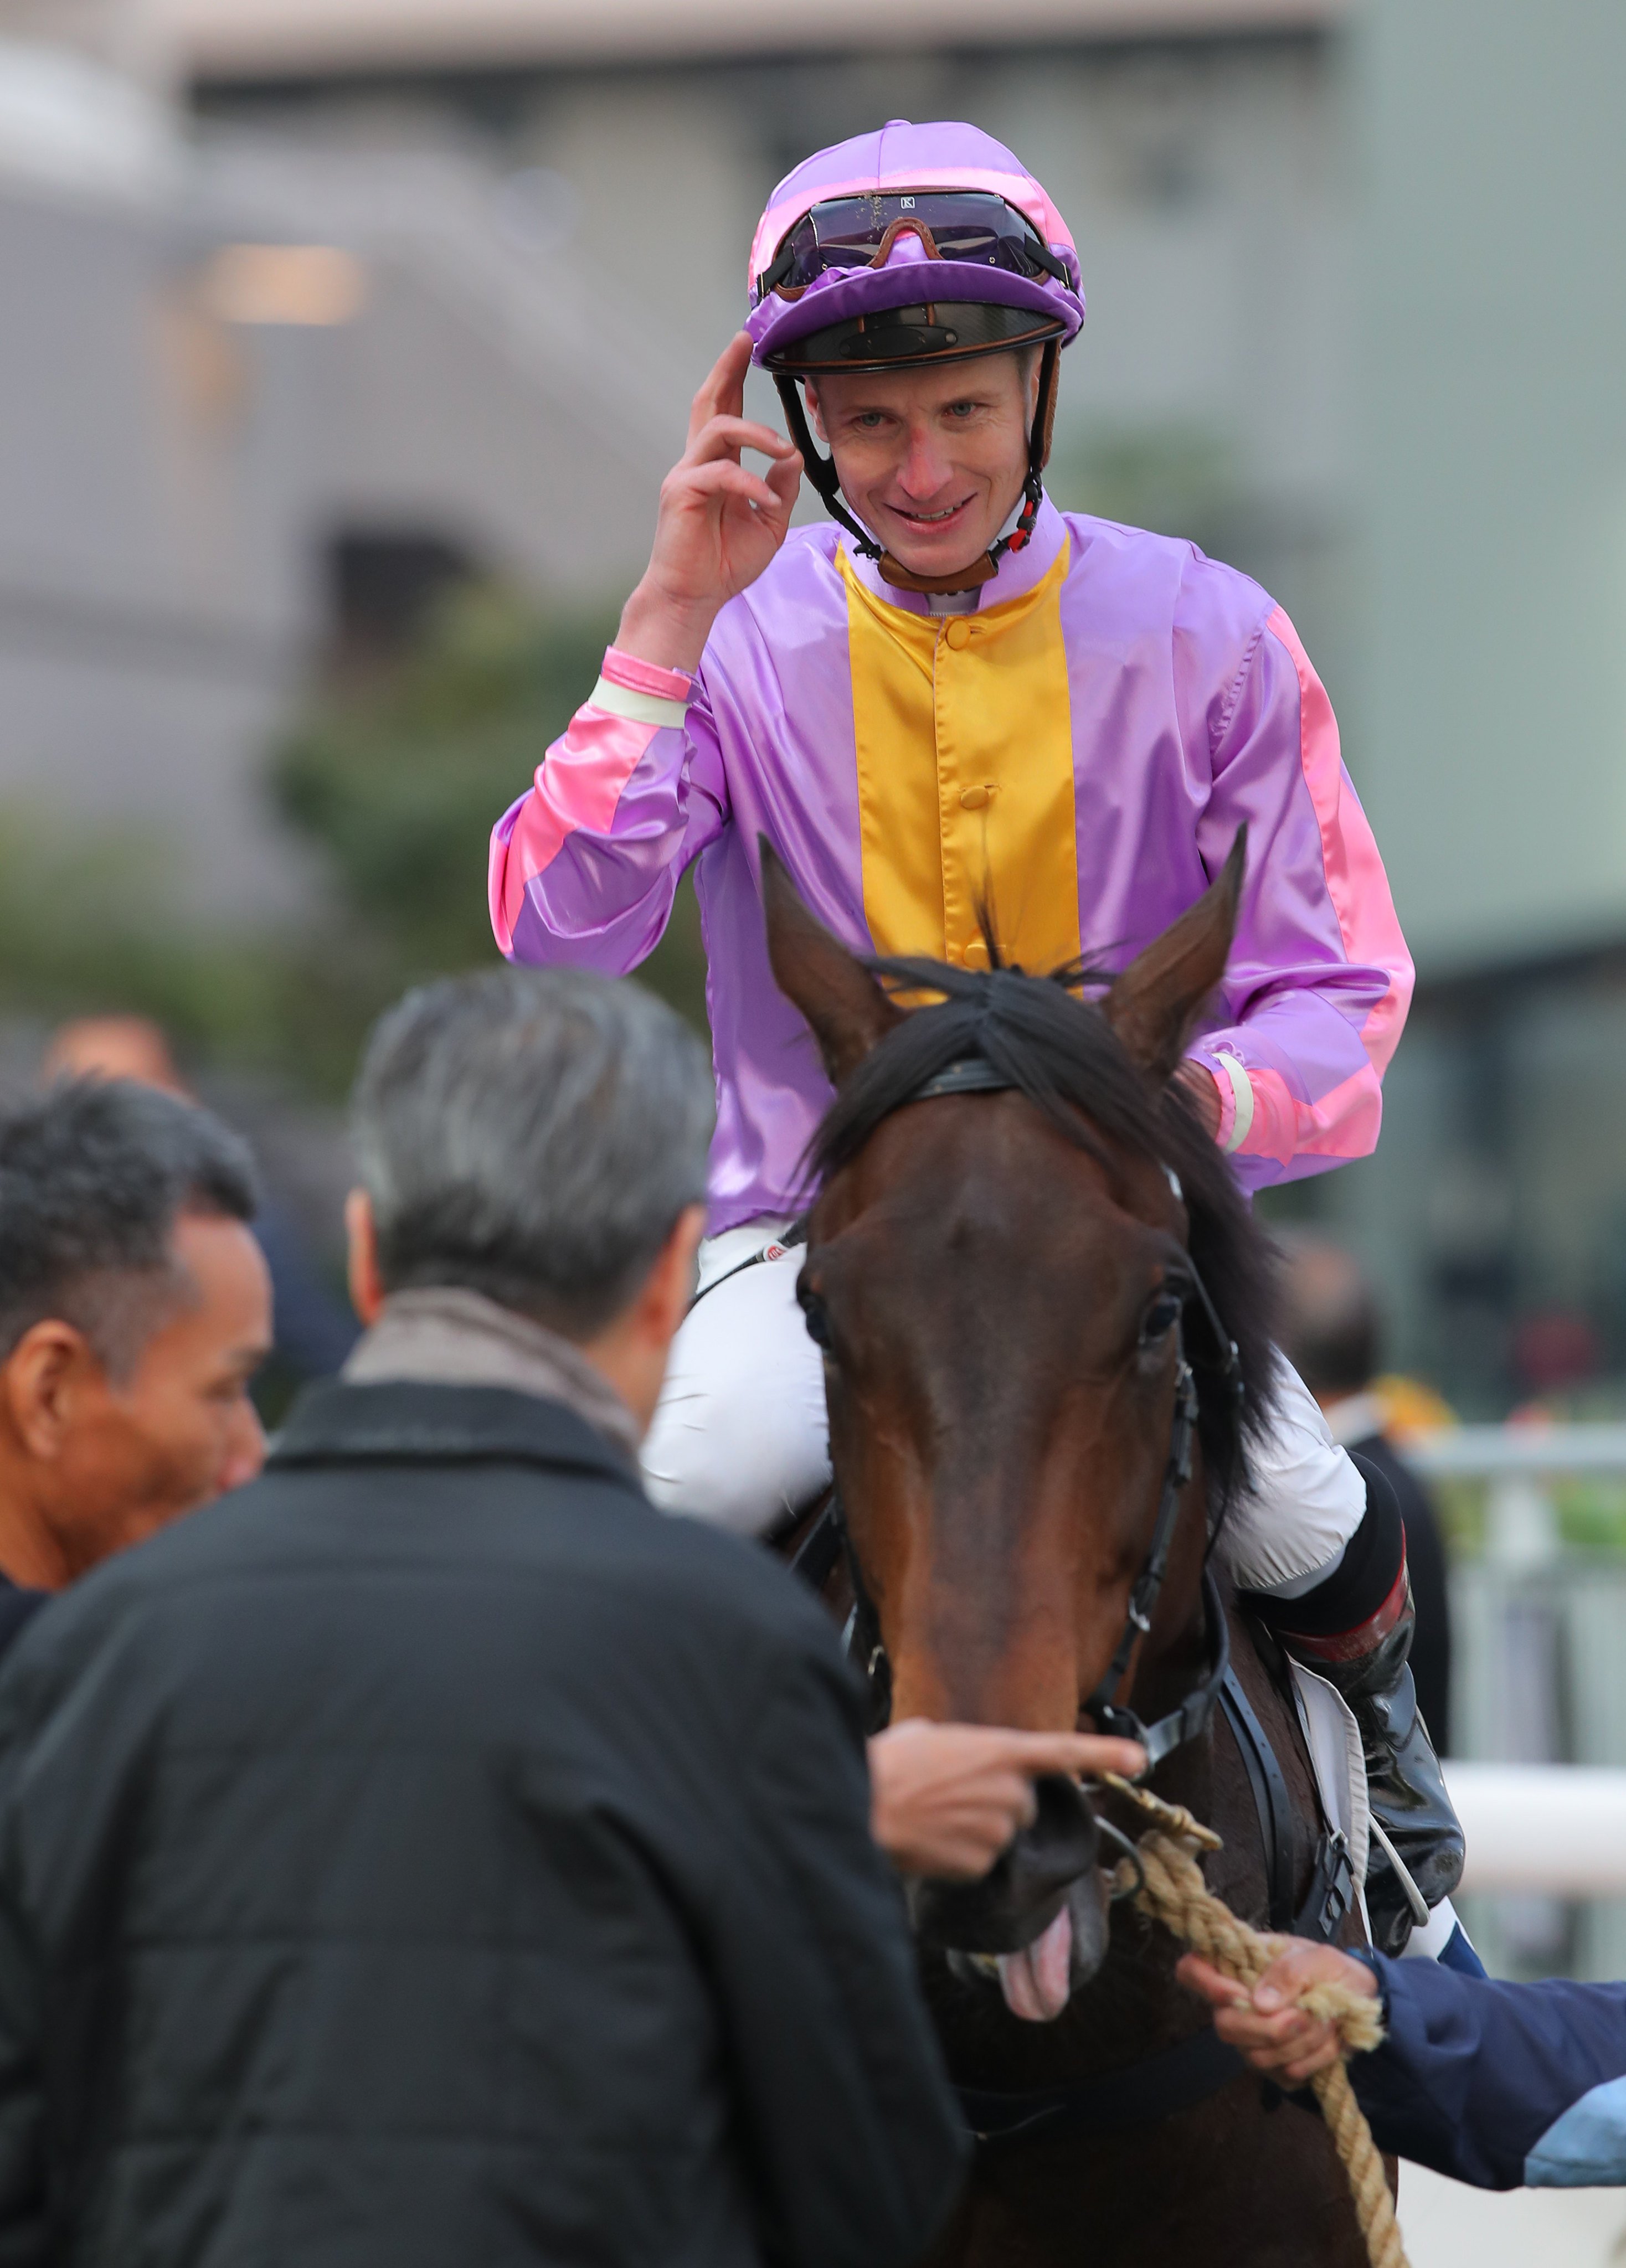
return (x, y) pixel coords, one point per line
(1559, 1830)
(1521, 1521)
(1529, 1452)
(1539, 1700)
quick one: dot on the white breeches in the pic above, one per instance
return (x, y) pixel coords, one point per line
(741, 1438)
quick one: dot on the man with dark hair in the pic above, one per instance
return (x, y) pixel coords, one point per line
(1332, 1334)
(431, 1852)
(133, 1310)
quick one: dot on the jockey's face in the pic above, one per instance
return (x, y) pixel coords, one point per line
(932, 460)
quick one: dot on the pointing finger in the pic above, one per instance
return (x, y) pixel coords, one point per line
(723, 390)
(1076, 1753)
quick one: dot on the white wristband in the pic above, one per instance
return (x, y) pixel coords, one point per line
(642, 708)
(1242, 1093)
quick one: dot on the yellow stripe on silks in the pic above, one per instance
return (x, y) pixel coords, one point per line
(966, 794)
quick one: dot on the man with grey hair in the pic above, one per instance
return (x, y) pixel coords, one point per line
(433, 1853)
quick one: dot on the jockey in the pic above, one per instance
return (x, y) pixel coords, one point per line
(955, 701)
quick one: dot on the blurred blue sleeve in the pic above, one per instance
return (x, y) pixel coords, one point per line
(1495, 2084)
(314, 1330)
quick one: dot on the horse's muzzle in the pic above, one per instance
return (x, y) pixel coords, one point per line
(1026, 1887)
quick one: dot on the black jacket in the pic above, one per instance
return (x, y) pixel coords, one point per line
(430, 1856)
(18, 1609)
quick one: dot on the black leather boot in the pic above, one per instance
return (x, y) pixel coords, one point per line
(1355, 1630)
(1404, 1783)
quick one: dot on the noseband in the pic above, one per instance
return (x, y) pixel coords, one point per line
(829, 1539)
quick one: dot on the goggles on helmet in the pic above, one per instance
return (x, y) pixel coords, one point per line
(964, 224)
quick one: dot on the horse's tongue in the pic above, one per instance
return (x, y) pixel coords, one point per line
(1037, 1981)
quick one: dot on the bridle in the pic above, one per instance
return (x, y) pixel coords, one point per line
(829, 1539)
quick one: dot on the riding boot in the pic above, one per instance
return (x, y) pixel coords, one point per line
(1362, 1648)
(1404, 1784)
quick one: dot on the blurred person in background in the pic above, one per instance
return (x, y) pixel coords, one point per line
(927, 709)
(486, 1858)
(135, 1308)
(1332, 1334)
(313, 1331)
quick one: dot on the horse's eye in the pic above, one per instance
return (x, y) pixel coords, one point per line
(1160, 1318)
(817, 1321)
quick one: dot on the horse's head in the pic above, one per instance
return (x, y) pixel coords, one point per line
(998, 1281)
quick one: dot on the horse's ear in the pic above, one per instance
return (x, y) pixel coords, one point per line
(1153, 1006)
(846, 1008)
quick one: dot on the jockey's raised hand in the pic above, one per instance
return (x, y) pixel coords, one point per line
(719, 524)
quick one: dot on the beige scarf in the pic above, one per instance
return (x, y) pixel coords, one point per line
(451, 1338)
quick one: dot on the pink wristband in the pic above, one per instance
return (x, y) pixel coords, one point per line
(636, 676)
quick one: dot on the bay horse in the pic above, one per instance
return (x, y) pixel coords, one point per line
(1044, 1311)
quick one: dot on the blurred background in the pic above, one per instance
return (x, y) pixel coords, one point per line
(343, 346)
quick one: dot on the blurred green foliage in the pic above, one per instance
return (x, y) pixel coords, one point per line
(1591, 1513)
(87, 926)
(1175, 479)
(395, 779)
(398, 778)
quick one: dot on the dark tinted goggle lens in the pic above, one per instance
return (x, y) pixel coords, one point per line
(968, 226)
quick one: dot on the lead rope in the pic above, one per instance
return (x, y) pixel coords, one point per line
(1171, 1890)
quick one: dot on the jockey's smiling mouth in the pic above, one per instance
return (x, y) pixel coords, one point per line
(932, 461)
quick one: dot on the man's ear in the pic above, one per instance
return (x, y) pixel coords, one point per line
(846, 1008)
(815, 417)
(38, 1382)
(366, 1292)
(1154, 1005)
(668, 1290)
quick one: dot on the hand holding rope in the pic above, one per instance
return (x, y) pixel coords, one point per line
(1170, 1890)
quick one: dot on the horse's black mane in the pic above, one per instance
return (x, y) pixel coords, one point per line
(1062, 1054)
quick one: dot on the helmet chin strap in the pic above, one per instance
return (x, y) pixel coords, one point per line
(821, 471)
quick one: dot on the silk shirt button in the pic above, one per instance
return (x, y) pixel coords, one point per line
(976, 954)
(959, 634)
(973, 799)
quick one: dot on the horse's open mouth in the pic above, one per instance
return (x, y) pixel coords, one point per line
(1036, 1923)
(1039, 1981)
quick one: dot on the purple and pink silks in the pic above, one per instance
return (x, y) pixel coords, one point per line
(1076, 752)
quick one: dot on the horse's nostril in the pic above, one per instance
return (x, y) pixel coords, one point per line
(1025, 1891)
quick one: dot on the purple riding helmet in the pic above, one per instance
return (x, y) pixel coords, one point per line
(917, 244)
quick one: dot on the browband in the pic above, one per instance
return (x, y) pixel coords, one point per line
(972, 1075)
